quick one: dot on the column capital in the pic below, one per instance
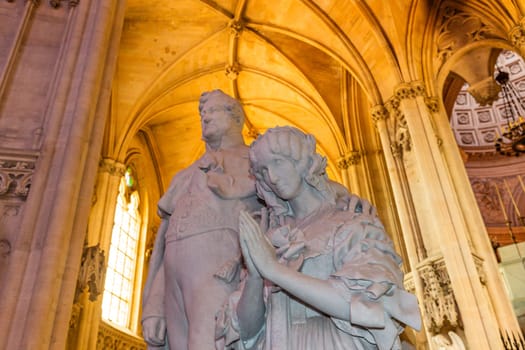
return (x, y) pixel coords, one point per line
(349, 159)
(112, 167)
(16, 172)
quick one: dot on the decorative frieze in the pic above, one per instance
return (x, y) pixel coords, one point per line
(16, 173)
(109, 338)
(439, 303)
(92, 272)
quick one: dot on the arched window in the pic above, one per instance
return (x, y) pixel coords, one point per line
(122, 261)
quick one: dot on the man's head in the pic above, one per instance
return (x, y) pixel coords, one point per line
(220, 115)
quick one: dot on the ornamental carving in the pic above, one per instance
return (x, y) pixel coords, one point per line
(517, 34)
(236, 27)
(485, 92)
(232, 71)
(439, 303)
(109, 338)
(379, 112)
(112, 167)
(16, 174)
(92, 272)
(457, 29)
(348, 160)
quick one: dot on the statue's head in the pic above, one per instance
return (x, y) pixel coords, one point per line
(221, 115)
(296, 149)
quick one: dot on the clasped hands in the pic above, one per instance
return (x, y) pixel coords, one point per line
(258, 252)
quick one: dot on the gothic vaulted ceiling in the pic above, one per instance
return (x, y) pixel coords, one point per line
(289, 62)
(295, 62)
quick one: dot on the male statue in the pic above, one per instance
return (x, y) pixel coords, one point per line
(195, 263)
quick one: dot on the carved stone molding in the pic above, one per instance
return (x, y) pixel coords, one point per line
(409, 283)
(348, 160)
(410, 90)
(457, 29)
(92, 272)
(232, 71)
(432, 104)
(517, 34)
(109, 338)
(16, 173)
(112, 167)
(236, 27)
(379, 113)
(439, 303)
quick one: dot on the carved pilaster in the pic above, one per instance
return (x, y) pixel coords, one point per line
(92, 272)
(349, 159)
(439, 303)
(16, 173)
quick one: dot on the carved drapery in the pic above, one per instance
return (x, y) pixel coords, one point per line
(16, 173)
(439, 303)
(111, 339)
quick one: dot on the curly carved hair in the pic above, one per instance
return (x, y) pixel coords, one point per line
(298, 147)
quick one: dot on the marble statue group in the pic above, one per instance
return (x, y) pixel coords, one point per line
(258, 249)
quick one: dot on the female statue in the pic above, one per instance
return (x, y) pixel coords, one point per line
(321, 274)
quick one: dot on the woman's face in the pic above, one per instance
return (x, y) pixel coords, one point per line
(280, 174)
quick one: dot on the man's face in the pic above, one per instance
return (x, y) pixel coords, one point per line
(215, 122)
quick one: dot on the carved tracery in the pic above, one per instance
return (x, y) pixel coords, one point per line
(441, 310)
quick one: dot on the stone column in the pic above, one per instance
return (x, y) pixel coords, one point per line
(87, 308)
(36, 303)
(451, 272)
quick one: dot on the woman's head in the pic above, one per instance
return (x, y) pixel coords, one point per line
(287, 144)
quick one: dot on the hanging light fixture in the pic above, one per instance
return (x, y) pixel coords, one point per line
(512, 139)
